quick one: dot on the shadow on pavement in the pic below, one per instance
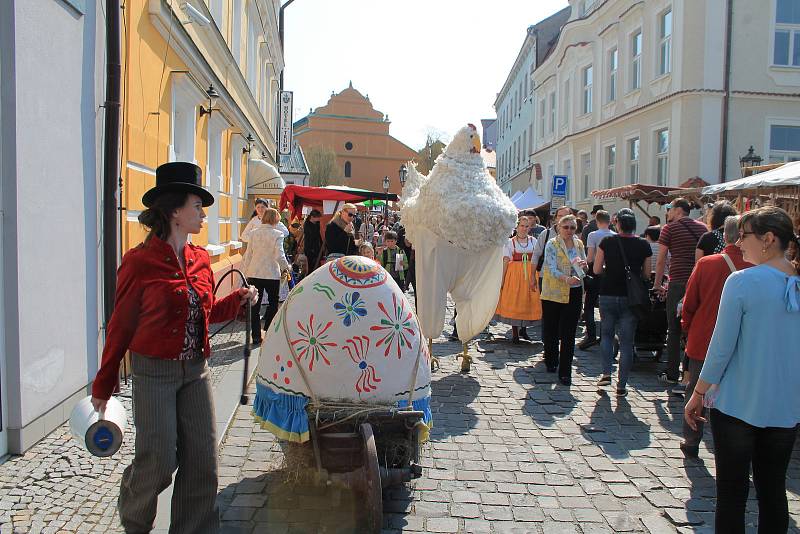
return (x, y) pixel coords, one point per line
(546, 399)
(616, 430)
(450, 397)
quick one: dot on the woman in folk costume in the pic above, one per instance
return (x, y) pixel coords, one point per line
(519, 304)
(163, 305)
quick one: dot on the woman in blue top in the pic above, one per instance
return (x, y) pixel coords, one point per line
(754, 361)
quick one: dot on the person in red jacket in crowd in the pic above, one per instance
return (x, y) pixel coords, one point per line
(164, 304)
(699, 315)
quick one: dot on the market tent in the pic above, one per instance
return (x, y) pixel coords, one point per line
(783, 176)
(296, 197)
(372, 203)
(530, 199)
(516, 195)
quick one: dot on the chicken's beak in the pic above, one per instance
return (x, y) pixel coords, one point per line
(476, 145)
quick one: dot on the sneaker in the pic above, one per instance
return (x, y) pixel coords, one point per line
(622, 392)
(588, 342)
(605, 380)
(664, 377)
(679, 390)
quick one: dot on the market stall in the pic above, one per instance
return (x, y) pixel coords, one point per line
(326, 199)
(779, 186)
(635, 194)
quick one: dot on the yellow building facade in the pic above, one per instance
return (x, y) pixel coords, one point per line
(173, 54)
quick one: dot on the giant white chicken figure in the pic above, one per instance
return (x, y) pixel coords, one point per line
(458, 220)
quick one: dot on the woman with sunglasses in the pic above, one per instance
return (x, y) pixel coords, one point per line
(753, 361)
(340, 238)
(562, 294)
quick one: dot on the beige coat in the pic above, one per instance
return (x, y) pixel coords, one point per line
(264, 257)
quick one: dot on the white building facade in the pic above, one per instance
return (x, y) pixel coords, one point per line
(52, 66)
(642, 92)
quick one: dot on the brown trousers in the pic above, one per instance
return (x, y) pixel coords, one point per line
(173, 412)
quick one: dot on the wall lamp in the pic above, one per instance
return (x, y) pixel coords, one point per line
(213, 95)
(250, 141)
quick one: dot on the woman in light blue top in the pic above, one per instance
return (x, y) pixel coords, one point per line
(754, 360)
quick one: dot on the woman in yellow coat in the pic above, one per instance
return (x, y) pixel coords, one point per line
(519, 304)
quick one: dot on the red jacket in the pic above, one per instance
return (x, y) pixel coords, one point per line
(152, 306)
(701, 303)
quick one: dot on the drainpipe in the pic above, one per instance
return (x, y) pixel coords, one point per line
(111, 156)
(280, 79)
(726, 88)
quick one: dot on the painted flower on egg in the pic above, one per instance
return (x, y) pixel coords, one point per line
(396, 328)
(350, 308)
(312, 342)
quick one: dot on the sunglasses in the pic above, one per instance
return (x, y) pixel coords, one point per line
(569, 227)
(349, 213)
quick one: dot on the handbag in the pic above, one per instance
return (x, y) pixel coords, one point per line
(638, 298)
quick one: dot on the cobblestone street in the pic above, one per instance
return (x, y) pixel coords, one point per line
(510, 451)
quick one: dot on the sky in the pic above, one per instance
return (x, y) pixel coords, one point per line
(431, 65)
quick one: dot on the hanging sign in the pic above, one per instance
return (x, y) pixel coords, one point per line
(558, 197)
(285, 123)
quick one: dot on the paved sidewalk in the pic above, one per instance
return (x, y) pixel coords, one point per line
(511, 451)
(58, 487)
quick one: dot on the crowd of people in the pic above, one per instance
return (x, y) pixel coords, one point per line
(730, 293)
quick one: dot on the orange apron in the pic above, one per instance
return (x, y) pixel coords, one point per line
(517, 301)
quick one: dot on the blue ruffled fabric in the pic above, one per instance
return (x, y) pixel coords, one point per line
(282, 414)
(421, 405)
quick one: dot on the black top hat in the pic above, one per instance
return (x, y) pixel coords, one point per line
(596, 208)
(180, 177)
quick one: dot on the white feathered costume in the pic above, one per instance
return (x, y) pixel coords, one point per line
(458, 220)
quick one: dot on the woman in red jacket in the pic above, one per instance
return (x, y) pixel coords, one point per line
(164, 304)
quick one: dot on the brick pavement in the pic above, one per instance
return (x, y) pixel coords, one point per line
(511, 451)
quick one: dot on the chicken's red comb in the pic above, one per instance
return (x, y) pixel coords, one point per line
(471, 126)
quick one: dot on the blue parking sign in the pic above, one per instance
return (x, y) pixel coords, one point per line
(559, 186)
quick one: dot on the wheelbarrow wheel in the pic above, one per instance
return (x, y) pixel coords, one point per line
(371, 488)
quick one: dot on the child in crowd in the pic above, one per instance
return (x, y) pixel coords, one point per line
(394, 259)
(367, 251)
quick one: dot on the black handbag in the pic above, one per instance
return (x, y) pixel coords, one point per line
(638, 297)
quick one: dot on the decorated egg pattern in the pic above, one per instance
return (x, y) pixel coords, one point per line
(347, 333)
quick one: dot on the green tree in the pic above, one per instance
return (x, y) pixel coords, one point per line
(322, 167)
(426, 156)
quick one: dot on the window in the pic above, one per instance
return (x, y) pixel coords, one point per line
(185, 99)
(633, 160)
(611, 162)
(586, 173)
(568, 174)
(613, 61)
(636, 60)
(348, 146)
(252, 47)
(236, 146)
(662, 156)
(784, 143)
(586, 77)
(552, 112)
(530, 139)
(214, 178)
(567, 103)
(551, 171)
(787, 34)
(217, 10)
(236, 32)
(348, 169)
(524, 145)
(665, 43)
(542, 113)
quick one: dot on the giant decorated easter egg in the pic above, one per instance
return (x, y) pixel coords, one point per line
(348, 335)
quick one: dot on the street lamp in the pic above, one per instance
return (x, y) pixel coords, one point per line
(403, 172)
(386, 201)
(750, 160)
(213, 95)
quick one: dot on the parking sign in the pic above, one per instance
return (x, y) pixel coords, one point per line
(559, 195)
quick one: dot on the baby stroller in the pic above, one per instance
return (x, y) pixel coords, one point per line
(651, 332)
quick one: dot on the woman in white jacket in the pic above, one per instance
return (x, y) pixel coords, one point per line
(264, 264)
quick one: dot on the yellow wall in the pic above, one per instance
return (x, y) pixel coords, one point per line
(147, 106)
